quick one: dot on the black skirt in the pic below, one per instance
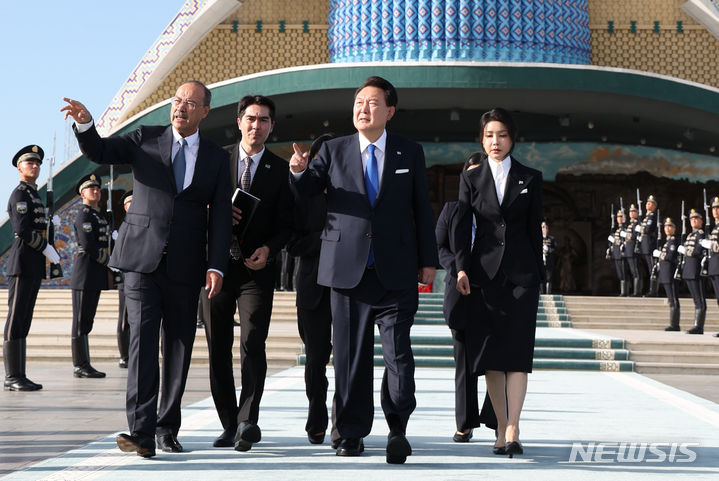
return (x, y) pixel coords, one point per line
(507, 314)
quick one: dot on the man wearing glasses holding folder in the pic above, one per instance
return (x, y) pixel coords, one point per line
(249, 282)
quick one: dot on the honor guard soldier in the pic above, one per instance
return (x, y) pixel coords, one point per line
(668, 259)
(691, 270)
(630, 246)
(89, 274)
(648, 231)
(25, 266)
(617, 240)
(712, 246)
(123, 327)
(549, 251)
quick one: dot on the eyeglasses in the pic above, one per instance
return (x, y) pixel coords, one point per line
(191, 104)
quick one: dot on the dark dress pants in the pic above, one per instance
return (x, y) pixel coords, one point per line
(696, 289)
(715, 286)
(22, 294)
(466, 407)
(252, 293)
(671, 288)
(84, 307)
(354, 313)
(123, 326)
(315, 328)
(158, 307)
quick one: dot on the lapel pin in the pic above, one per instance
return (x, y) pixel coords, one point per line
(399, 153)
(267, 166)
(521, 182)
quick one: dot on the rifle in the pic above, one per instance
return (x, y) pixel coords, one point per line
(637, 243)
(639, 204)
(680, 264)
(621, 208)
(608, 254)
(55, 269)
(707, 227)
(655, 261)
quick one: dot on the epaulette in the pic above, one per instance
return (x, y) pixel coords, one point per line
(21, 187)
(85, 210)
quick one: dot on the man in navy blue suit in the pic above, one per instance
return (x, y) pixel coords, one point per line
(174, 239)
(378, 242)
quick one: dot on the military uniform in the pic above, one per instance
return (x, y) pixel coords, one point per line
(25, 270)
(668, 260)
(89, 277)
(549, 252)
(617, 255)
(630, 246)
(713, 256)
(648, 232)
(691, 273)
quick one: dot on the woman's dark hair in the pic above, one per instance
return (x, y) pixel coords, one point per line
(317, 144)
(475, 159)
(500, 115)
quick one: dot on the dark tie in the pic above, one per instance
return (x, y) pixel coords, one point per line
(371, 183)
(178, 166)
(246, 179)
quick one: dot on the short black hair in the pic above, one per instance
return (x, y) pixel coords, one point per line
(206, 91)
(475, 159)
(248, 100)
(500, 115)
(390, 93)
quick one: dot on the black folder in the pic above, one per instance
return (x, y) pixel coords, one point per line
(247, 203)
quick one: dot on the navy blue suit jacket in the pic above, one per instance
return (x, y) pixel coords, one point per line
(196, 237)
(399, 226)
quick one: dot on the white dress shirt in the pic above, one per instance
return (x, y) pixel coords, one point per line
(500, 173)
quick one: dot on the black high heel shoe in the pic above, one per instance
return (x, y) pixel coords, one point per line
(462, 437)
(514, 448)
(499, 450)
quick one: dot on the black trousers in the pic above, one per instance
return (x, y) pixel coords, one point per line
(84, 307)
(22, 294)
(252, 293)
(123, 326)
(158, 308)
(715, 286)
(696, 289)
(466, 406)
(633, 265)
(315, 328)
(354, 313)
(622, 268)
(670, 289)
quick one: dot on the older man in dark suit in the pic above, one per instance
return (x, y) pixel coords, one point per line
(168, 244)
(377, 243)
(250, 276)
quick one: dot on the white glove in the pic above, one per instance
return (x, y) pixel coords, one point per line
(56, 221)
(706, 243)
(545, 248)
(610, 238)
(656, 253)
(51, 254)
(638, 228)
(623, 234)
(681, 249)
(114, 235)
(115, 269)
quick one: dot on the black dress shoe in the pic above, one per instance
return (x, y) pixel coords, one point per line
(500, 450)
(247, 434)
(226, 439)
(316, 438)
(336, 443)
(169, 443)
(20, 383)
(136, 443)
(462, 437)
(514, 448)
(398, 448)
(122, 363)
(350, 447)
(87, 371)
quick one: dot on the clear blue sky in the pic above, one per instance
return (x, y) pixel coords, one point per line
(83, 49)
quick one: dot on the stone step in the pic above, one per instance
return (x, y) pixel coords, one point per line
(676, 357)
(676, 368)
(688, 345)
(657, 325)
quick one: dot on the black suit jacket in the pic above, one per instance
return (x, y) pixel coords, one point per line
(271, 224)
(194, 236)
(455, 304)
(509, 236)
(305, 243)
(399, 226)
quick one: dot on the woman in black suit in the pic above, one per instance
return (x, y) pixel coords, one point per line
(467, 340)
(503, 267)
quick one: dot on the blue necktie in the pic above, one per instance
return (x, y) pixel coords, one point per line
(178, 166)
(371, 183)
